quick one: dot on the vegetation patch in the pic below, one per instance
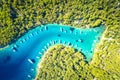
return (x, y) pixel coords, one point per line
(65, 63)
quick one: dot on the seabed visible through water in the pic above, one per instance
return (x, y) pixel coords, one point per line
(19, 60)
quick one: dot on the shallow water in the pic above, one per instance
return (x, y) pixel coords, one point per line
(19, 60)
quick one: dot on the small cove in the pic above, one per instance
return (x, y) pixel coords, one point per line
(19, 60)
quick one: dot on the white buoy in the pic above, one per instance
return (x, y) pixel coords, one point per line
(45, 47)
(80, 40)
(95, 41)
(95, 30)
(80, 32)
(32, 69)
(40, 30)
(80, 49)
(70, 32)
(20, 41)
(37, 57)
(68, 43)
(40, 53)
(28, 37)
(14, 50)
(65, 31)
(48, 44)
(53, 42)
(64, 42)
(31, 34)
(30, 61)
(23, 40)
(91, 49)
(71, 45)
(45, 27)
(61, 30)
(15, 45)
(59, 41)
(29, 76)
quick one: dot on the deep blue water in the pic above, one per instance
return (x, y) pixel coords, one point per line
(19, 60)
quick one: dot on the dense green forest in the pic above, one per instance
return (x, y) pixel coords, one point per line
(19, 16)
(65, 63)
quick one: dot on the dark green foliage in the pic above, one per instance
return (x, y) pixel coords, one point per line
(61, 63)
(64, 63)
(96, 23)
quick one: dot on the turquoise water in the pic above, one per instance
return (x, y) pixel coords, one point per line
(19, 60)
